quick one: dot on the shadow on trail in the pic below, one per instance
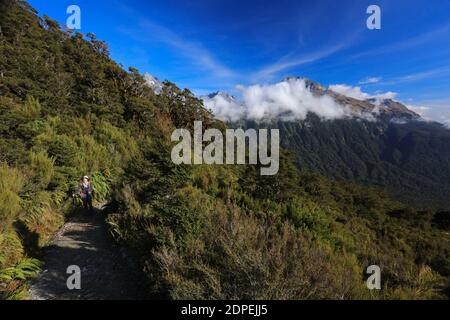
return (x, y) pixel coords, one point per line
(107, 272)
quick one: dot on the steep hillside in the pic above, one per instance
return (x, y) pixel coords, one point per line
(202, 232)
(381, 108)
(410, 159)
(371, 140)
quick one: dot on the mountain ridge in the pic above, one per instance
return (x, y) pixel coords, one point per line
(402, 145)
(370, 107)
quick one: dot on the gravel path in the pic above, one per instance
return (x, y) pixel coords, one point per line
(107, 272)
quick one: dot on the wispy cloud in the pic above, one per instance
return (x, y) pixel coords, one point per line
(209, 67)
(288, 62)
(417, 76)
(424, 74)
(296, 59)
(370, 80)
(204, 60)
(422, 39)
(195, 52)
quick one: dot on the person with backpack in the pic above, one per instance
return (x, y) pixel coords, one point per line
(86, 193)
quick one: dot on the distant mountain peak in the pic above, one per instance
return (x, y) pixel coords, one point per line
(396, 108)
(221, 94)
(310, 84)
(292, 103)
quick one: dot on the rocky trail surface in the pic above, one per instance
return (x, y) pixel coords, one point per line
(108, 272)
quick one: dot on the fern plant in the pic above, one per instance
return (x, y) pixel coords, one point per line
(12, 280)
(100, 186)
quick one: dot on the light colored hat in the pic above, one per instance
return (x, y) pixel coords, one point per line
(86, 177)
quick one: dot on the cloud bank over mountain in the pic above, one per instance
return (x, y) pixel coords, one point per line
(295, 97)
(434, 110)
(357, 93)
(291, 99)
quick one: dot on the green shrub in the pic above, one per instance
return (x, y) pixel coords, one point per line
(11, 250)
(11, 182)
(12, 280)
(42, 168)
(101, 187)
(238, 257)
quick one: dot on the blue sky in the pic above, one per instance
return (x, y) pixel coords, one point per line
(217, 44)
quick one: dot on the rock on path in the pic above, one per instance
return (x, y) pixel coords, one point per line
(107, 272)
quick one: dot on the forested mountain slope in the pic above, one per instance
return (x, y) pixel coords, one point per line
(411, 159)
(212, 232)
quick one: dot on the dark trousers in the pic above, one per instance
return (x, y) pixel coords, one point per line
(87, 202)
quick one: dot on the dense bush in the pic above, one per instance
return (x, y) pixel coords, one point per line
(241, 257)
(409, 159)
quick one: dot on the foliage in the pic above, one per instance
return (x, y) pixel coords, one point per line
(12, 279)
(409, 159)
(100, 186)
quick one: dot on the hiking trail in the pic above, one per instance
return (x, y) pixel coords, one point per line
(108, 272)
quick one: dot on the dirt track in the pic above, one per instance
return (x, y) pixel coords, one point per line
(107, 272)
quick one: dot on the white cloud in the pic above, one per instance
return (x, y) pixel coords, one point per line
(349, 91)
(420, 110)
(370, 80)
(357, 93)
(288, 100)
(224, 108)
(293, 100)
(433, 110)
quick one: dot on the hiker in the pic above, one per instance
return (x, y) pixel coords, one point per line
(86, 193)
